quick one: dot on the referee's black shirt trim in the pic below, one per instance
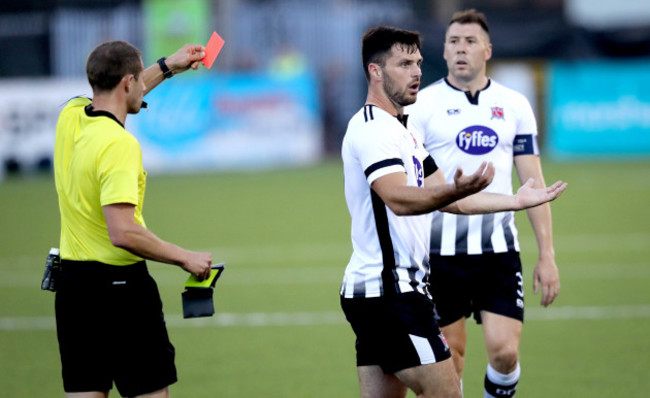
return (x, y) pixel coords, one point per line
(90, 111)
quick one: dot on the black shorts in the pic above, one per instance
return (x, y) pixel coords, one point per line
(395, 333)
(111, 328)
(466, 284)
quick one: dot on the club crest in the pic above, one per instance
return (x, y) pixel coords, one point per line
(497, 112)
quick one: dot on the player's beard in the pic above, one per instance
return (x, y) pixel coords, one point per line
(394, 94)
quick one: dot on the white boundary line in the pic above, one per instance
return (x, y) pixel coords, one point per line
(259, 319)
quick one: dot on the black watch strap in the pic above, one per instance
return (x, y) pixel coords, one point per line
(165, 70)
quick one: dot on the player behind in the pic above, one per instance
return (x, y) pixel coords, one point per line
(467, 119)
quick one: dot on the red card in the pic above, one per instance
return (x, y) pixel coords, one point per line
(212, 49)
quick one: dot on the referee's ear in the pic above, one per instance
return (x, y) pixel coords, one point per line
(128, 81)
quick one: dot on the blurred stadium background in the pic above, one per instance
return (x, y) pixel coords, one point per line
(243, 160)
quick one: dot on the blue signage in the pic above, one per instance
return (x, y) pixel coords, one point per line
(599, 109)
(230, 121)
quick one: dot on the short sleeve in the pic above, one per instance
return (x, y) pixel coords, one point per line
(378, 150)
(118, 169)
(526, 124)
(525, 141)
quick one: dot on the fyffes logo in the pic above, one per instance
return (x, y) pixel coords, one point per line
(477, 140)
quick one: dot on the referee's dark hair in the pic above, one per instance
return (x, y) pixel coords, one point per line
(109, 62)
(377, 44)
(470, 16)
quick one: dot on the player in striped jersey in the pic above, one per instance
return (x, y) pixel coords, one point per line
(467, 119)
(391, 186)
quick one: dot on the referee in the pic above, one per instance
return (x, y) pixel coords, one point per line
(109, 317)
(391, 186)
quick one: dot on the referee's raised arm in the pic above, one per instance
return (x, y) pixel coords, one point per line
(187, 57)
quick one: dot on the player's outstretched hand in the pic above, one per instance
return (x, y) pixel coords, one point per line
(527, 196)
(470, 184)
(198, 264)
(188, 56)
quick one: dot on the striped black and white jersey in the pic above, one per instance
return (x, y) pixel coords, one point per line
(460, 130)
(390, 252)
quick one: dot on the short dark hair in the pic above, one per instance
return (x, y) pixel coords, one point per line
(470, 16)
(378, 42)
(109, 62)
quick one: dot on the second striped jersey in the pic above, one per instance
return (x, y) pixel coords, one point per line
(463, 130)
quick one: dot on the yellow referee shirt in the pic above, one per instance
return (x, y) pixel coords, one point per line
(96, 163)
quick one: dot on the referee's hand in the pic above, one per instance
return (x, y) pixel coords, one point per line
(198, 264)
(188, 56)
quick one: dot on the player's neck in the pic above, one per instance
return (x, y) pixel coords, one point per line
(472, 86)
(381, 100)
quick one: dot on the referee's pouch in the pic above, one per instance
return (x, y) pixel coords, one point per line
(197, 297)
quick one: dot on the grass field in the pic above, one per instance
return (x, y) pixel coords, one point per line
(284, 235)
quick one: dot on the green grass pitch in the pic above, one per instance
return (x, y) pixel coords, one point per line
(278, 330)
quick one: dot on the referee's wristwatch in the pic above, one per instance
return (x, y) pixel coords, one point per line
(165, 70)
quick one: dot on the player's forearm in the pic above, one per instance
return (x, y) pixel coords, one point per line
(414, 200)
(540, 220)
(405, 200)
(483, 202)
(540, 216)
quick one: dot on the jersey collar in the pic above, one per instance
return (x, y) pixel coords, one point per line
(473, 99)
(367, 114)
(90, 111)
(402, 119)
